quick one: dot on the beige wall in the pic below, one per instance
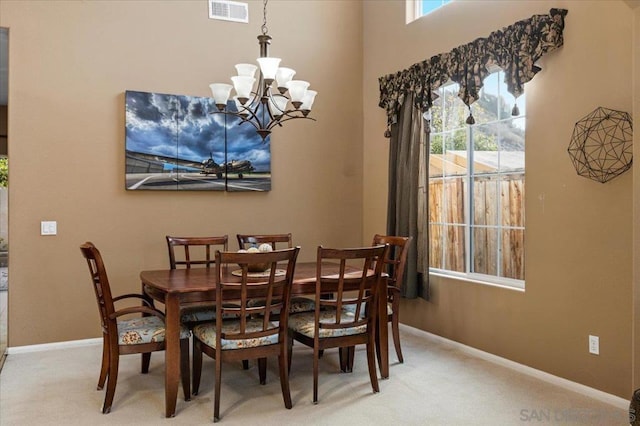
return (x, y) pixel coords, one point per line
(71, 62)
(578, 239)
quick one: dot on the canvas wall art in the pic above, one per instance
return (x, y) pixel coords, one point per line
(175, 143)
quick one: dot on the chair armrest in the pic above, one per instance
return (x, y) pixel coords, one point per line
(137, 310)
(143, 297)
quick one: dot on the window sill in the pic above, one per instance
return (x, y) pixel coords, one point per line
(471, 279)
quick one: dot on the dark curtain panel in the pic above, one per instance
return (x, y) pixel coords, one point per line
(404, 183)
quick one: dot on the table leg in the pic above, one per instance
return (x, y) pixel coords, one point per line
(382, 332)
(172, 353)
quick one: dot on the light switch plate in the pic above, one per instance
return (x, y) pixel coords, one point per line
(48, 227)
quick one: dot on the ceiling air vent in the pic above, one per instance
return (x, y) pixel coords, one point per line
(229, 11)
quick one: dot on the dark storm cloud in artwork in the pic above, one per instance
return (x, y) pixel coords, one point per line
(183, 127)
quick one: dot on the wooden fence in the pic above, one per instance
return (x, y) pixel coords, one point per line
(498, 201)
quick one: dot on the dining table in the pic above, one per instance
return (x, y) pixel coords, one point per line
(176, 288)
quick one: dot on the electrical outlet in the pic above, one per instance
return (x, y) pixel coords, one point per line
(594, 345)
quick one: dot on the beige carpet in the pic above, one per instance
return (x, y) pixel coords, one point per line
(439, 384)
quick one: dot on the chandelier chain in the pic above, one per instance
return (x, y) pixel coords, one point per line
(265, 30)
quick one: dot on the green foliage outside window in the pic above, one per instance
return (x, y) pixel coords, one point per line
(4, 172)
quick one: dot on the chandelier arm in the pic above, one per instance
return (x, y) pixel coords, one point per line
(282, 120)
(242, 118)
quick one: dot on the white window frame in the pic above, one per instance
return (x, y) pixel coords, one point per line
(468, 275)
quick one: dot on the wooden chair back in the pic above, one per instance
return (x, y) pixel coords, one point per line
(259, 331)
(395, 264)
(247, 240)
(356, 292)
(396, 259)
(101, 288)
(274, 292)
(196, 251)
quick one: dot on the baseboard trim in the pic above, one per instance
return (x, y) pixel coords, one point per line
(530, 371)
(53, 346)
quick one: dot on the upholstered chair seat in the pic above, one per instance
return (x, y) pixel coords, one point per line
(136, 331)
(206, 333)
(305, 324)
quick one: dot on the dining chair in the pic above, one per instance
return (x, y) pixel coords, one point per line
(348, 318)
(188, 252)
(259, 331)
(246, 241)
(120, 336)
(394, 265)
(298, 304)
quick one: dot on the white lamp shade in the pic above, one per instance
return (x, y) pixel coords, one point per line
(269, 66)
(243, 85)
(246, 70)
(220, 92)
(283, 76)
(278, 105)
(307, 100)
(297, 89)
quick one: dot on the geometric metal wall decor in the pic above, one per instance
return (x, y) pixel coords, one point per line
(174, 142)
(601, 146)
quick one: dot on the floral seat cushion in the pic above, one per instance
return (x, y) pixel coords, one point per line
(352, 308)
(137, 331)
(202, 314)
(304, 323)
(206, 333)
(297, 304)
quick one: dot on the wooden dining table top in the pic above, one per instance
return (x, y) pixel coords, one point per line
(203, 279)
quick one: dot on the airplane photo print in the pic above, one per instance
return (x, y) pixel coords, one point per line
(178, 143)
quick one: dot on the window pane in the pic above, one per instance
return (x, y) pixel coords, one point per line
(436, 158)
(436, 201)
(485, 109)
(485, 250)
(512, 199)
(427, 6)
(513, 253)
(511, 137)
(435, 247)
(485, 200)
(436, 117)
(453, 201)
(455, 158)
(485, 148)
(454, 248)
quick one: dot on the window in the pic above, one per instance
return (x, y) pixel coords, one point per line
(428, 6)
(417, 8)
(476, 185)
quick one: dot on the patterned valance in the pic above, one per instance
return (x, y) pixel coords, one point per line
(515, 49)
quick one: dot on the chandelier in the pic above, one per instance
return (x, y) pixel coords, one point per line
(267, 104)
